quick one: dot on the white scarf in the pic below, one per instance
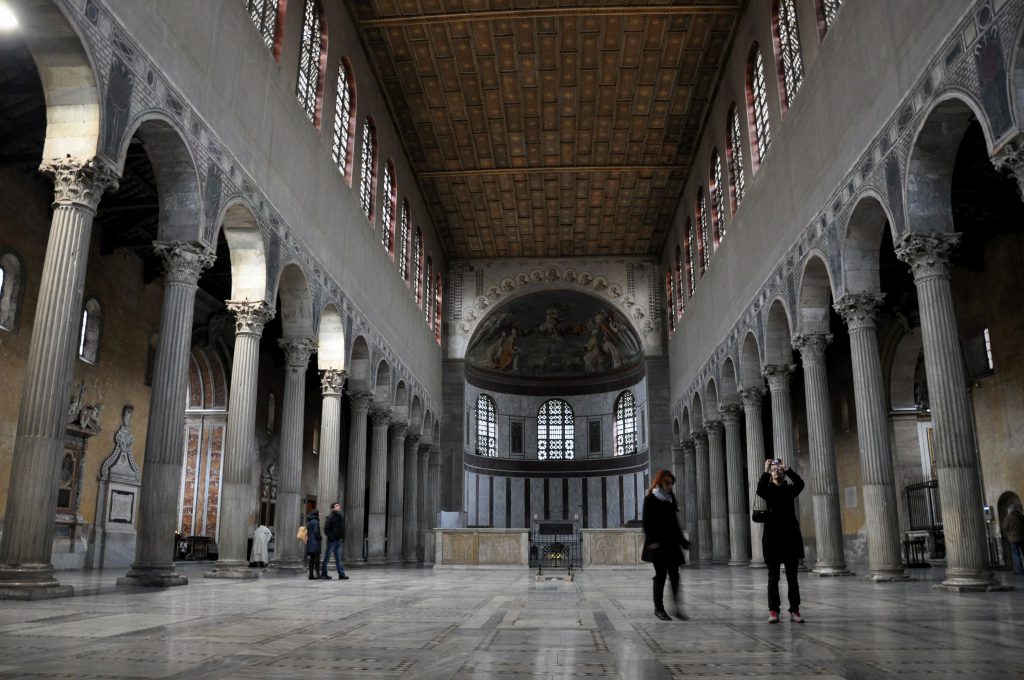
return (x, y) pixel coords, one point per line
(661, 494)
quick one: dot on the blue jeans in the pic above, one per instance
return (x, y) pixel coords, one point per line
(1017, 551)
(333, 548)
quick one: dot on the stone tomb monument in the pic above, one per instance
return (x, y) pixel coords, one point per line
(118, 501)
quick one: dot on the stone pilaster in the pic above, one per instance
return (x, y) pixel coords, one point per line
(410, 514)
(355, 480)
(739, 515)
(433, 506)
(828, 524)
(161, 479)
(718, 492)
(752, 400)
(885, 562)
(704, 551)
(427, 497)
(956, 456)
(679, 472)
(27, 545)
(396, 491)
(332, 382)
(380, 418)
(288, 554)
(1010, 160)
(236, 481)
(690, 496)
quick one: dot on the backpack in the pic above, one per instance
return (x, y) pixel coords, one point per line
(302, 534)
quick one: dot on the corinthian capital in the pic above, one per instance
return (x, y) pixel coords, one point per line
(731, 412)
(250, 317)
(777, 376)
(859, 309)
(297, 351)
(1010, 160)
(380, 416)
(360, 401)
(927, 253)
(812, 347)
(412, 442)
(700, 441)
(79, 182)
(687, 445)
(398, 429)
(184, 261)
(752, 398)
(332, 382)
(713, 429)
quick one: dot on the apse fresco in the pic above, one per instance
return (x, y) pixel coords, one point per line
(555, 335)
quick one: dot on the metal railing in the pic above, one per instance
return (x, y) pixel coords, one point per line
(555, 552)
(925, 509)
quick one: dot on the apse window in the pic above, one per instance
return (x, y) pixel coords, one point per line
(625, 424)
(555, 431)
(89, 335)
(486, 434)
(10, 290)
(988, 350)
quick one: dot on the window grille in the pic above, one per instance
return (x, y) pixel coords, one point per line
(670, 307)
(427, 297)
(829, 9)
(368, 177)
(691, 276)
(717, 199)
(437, 307)
(555, 431)
(486, 432)
(264, 17)
(417, 260)
(735, 151)
(788, 37)
(387, 219)
(308, 87)
(759, 106)
(342, 139)
(625, 424)
(403, 255)
(702, 244)
(680, 286)
(89, 333)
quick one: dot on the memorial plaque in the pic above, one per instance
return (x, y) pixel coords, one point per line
(122, 504)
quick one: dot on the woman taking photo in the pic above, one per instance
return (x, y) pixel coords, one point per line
(663, 542)
(781, 541)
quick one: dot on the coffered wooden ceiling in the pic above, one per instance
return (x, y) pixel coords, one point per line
(549, 127)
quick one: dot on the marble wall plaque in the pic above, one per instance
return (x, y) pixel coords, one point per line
(122, 505)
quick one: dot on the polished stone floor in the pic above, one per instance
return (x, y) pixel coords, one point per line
(420, 623)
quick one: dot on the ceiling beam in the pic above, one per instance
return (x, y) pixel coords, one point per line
(554, 169)
(516, 14)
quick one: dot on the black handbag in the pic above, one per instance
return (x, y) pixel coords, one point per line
(761, 516)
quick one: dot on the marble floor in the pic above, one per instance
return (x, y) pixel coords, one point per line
(420, 623)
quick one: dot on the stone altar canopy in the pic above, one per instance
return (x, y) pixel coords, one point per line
(118, 501)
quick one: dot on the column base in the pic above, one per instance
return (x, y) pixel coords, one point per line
(739, 563)
(152, 578)
(830, 571)
(971, 585)
(757, 564)
(719, 562)
(888, 575)
(289, 568)
(31, 583)
(376, 561)
(232, 570)
(35, 592)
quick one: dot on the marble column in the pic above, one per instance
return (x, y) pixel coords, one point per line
(161, 479)
(704, 549)
(288, 553)
(824, 480)
(332, 382)
(679, 471)
(956, 456)
(433, 506)
(427, 499)
(27, 544)
(410, 506)
(1010, 160)
(690, 496)
(752, 398)
(396, 491)
(739, 515)
(885, 562)
(719, 498)
(236, 475)
(355, 480)
(777, 376)
(380, 417)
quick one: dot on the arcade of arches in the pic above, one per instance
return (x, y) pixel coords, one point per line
(478, 270)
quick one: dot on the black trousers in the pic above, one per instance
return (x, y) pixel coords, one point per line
(661, 570)
(774, 600)
(314, 564)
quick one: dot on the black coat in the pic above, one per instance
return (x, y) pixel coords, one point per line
(782, 541)
(661, 526)
(334, 526)
(313, 544)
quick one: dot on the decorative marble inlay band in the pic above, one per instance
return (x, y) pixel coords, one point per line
(80, 182)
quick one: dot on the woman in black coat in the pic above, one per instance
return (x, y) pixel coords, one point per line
(313, 543)
(663, 542)
(781, 541)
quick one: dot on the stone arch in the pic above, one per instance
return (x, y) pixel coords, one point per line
(814, 301)
(711, 400)
(696, 414)
(248, 252)
(74, 120)
(778, 343)
(675, 430)
(382, 383)
(729, 378)
(400, 409)
(359, 366)
(330, 353)
(929, 174)
(416, 416)
(1017, 78)
(685, 423)
(862, 244)
(177, 178)
(436, 439)
(750, 363)
(296, 311)
(428, 428)
(905, 367)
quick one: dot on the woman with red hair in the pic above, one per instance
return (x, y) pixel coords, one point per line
(664, 542)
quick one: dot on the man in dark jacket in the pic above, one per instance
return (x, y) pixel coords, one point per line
(334, 532)
(781, 541)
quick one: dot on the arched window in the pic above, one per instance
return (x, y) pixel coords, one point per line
(11, 279)
(757, 108)
(787, 50)
(341, 144)
(702, 236)
(387, 221)
(368, 170)
(89, 333)
(312, 59)
(717, 199)
(427, 297)
(691, 277)
(625, 424)
(555, 431)
(735, 158)
(403, 245)
(266, 16)
(417, 265)
(486, 432)
(680, 286)
(827, 10)
(670, 307)
(437, 307)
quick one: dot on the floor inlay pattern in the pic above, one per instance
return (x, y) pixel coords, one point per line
(420, 624)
